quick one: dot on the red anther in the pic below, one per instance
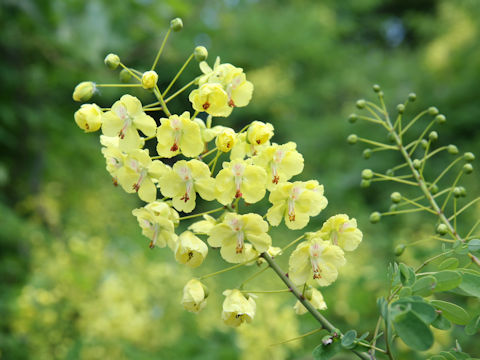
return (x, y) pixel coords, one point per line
(275, 179)
(174, 147)
(115, 181)
(231, 103)
(121, 135)
(259, 141)
(185, 197)
(206, 105)
(238, 194)
(151, 245)
(136, 187)
(87, 126)
(291, 217)
(239, 249)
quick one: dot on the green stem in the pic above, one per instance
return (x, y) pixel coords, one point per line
(308, 305)
(265, 291)
(161, 49)
(253, 276)
(180, 91)
(228, 269)
(177, 75)
(376, 143)
(395, 179)
(130, 72)
(463, 209)
(299, 337)
(293, 243)
(157, 93)
(201, 214)
(118, 85)
(414, 120)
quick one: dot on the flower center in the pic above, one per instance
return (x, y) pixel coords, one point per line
(315, 259)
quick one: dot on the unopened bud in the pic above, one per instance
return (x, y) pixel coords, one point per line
(352, 118)
(432, 110)
(352, 139)
(84, 91)
(376, 88)
(442, 229)
(367, 174)
(375, 217)
(412, 97)
(176, 24)
(400, 108)
(457, 192)
(469, 157)
(390, 172)
(463, 191)
(468, 168)
(424, 143)
(200, 53)
(149, 79)
(399, 249)
(361, 104)
(367, 153)
(225, 140)
(396, 197)
(440, 119)
(434, 189)
(452, 149)
(380, 93)
(391, 137)
(393, 208)
(433, 136)
(89, 117)
(125, 75)
(112, 61)
(417, 164)
(365, 183)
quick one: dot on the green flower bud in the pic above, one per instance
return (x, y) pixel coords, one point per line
(412, 97)
(433, 136)
(352, 139)
(417, 164)
(400, 108)
(125, 75)
(367, 153)
(468, 168)
(393, 207)
(463, 191)
(399, 249)
(442, 229)
(452, 149)
(432, 110)
(365, 183)
(112, 61)
(391, 137)
(440, 119)
(352, 118)
(424, 143)
(376, 88)
(469, 157)
(434, 189)
(200, 53)
(149, 79)
(457, 192)
(361, 104)
(380, 94)
(367, 174)
(375, 217)
(396, 197)
(390, 172)
(84, 91)
(176, 24)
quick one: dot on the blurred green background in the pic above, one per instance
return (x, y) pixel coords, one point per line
(77, 278)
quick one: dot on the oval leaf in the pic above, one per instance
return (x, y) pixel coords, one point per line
(413, 331)
(448, 264)
(424, 286)
(474, 245)
(348, 340)
(452, 312)
(473, 326)
(325, 352)
(447, 280)
(441, 323)
(407, 275)
(422, 309)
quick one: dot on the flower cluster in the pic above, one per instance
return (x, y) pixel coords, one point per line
(251, 167)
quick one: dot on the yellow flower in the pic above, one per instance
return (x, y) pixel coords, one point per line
(113, 155)
(237, 308)
(184, 180)
(179, 134)
(149, 79)
(203, 226)
(239, 178)
(316, 260)
(231, 235)
(139, 173)
(341, 231)
(225, 140)
(296, 202)
(190, 250)
(125, 118)
(89, 117)
(194, 296)
(244, 148)
(84, 91)
(208, 134)
(231, 78)
(281, 162)
(158, 221)
(212, 99)
(315, 298)
(259, 133)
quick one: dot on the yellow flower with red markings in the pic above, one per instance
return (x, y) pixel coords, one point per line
(212, 99)
(237, 308)
(194, 296)
(89, 117)
(190, 250)
(342, 231)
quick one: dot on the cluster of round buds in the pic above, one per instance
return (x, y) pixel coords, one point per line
(251, 167)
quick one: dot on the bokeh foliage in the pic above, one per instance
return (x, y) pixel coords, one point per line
(78, 280)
